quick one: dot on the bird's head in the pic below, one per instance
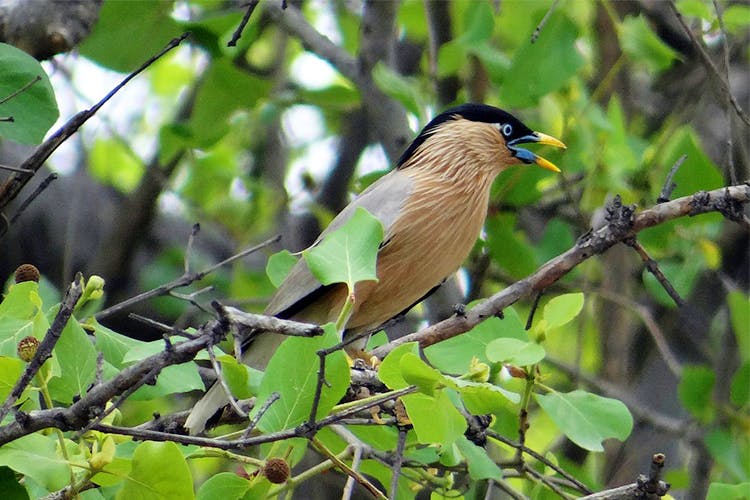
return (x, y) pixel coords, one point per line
(489, 133)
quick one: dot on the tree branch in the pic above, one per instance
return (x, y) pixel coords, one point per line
(723, 200)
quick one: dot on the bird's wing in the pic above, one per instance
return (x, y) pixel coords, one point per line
(383, 199)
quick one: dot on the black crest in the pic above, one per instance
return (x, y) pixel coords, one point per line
(471, 111)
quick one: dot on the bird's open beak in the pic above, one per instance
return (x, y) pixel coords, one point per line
(527, 156)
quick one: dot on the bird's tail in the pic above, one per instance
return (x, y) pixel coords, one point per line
(213, 401)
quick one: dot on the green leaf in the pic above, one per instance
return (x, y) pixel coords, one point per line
(33, 110)
(35, 456)
(643, 46)
(739, 390)
(722, 491)
(739, 310)
(695, 8)
(479, 23)
(293, 373)
(279, 265)
(112, 163)
(480, 464)
(390, 369)
(454, 355)
(242, 380)
(737, 18)
(159, 471)
(423, 412)
(348, 254)
(401, 88)
(587, 419)
(727, 449)
(113, 346)
(417, 372)
(695, 391)
(9, 485)
(223, 485)
(10, 371)
(482, 397)
(21, 316)
(174, 379)
(515, 352)
(509, 247)
(544, 66)
(111, 42)
(562, 309)
(76, 356)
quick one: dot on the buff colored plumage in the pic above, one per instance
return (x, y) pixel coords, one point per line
(432, 208)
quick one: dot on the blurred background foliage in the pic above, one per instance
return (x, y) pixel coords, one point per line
(275, 134)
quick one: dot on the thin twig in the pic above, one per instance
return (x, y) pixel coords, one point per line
(545, 481)
(15, 169)
(710, 66)
(727, 101)
(540, 26)
(44, 350)
(10, 189)
(356, 460)
(184, 280)
(26, 87)
(39, 189)
(396, 468)
(371, 488)
(669, 186)
(653, 267)
(223, 383)
(272, 398)
(534, 307)
(238, 32)
(541, 458)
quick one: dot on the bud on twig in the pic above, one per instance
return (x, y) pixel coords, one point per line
(276, 470)
(27, 272)
(27, 347)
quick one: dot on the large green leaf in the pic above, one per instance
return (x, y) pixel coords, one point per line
(454, 355)
(21, 316)
(515, 352)
(723, 491)
(159, 472)
(544, 66)
(35, 456)
(643, 46)
(224, 485)
(587, 419)
(480, 464)
(562, 309)
(293, 373)
(423, 412)
(9, 485)
(279, 265)
(695, 391)
(113, 163)
(348, 254)
(114, 41)
(33, 110)
(76, 356)
(10, 371)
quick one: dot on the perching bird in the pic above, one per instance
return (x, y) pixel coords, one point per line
(432, 207)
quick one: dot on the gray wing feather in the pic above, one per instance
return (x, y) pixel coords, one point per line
(383, 199)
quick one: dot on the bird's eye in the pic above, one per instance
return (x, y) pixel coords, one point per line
(507, 129)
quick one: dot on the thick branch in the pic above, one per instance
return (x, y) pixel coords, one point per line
(721, 200)
(79, 414)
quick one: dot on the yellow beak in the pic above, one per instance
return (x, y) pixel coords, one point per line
(527, 156)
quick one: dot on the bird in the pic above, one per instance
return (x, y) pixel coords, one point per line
(432, 207)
